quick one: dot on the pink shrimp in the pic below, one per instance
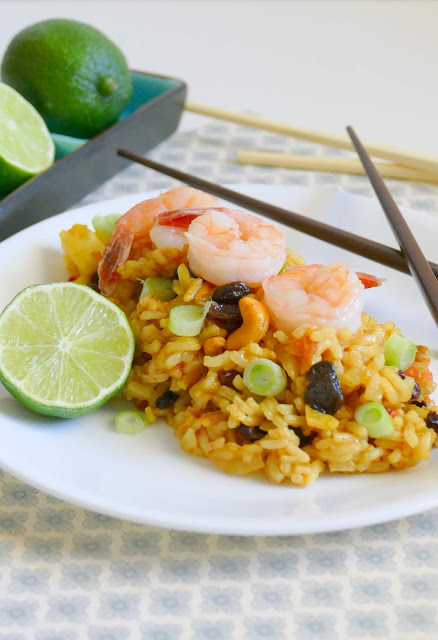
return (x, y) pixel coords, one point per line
(226, 245)
(321, 295)
(137, 223)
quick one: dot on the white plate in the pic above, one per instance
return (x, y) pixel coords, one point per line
(146, 478)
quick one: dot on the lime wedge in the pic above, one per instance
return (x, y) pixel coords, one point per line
(26, 147)
(64, 349)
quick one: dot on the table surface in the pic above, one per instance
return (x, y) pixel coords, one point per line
(67, 573)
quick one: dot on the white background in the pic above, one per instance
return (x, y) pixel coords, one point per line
(322, 64)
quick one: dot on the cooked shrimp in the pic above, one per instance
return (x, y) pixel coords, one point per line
(227, 245)
(137, 223)
(321, 295)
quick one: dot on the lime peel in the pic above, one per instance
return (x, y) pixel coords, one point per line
(54, 376)
(57, 65)
(26, 147)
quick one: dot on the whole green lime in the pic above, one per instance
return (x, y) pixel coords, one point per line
(75, 77)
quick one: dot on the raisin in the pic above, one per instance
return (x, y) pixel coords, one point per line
(416, 391)
(226, 316)
(226, 377)
(419, 403)
(304, 440)
(251, 433)
(166, 400)
(231, 293)
(432, 421)
(323, 391)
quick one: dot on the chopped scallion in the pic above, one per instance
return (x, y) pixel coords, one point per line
(375, 418)
(161, 288)
(187, 320)
(130, 422)
(104, 225)
(285, 266)
(399, 352)
(264, 377)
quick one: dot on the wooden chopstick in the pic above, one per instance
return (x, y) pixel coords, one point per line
(424, 161)
(418, 265)
(351, 166)
(338, 237)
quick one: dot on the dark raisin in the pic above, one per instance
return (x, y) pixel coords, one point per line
(325, 368)
(323, 391)
(432, 421)
(251, 433)
(419, 403)
(231, 293)
(226, 377)
(226, 316)
(303, 439)
(166, 400)
(416, 391)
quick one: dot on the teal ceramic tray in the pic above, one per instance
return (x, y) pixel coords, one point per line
(151, 116)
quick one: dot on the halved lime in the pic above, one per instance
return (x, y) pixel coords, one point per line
(64, 349)
(26, 147)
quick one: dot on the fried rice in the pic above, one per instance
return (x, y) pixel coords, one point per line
(214, 413)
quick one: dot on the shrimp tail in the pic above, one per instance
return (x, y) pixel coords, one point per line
(369, 281)
(116, 254)
(183, 217)
(180, 218)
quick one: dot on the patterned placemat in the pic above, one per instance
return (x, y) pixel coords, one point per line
(67, 573)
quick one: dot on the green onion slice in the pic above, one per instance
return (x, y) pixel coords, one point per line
(375, 419)
(187, 319)
(161, 288)
(285, 266)
(104, 225)
(264, 377)
(399, 352)
(130, 422)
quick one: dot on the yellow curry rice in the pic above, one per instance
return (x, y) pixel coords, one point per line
(208, 414)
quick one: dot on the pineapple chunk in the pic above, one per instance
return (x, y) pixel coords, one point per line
(83, 251)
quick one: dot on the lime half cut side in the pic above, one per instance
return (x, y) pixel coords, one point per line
(64, 349)
(26, 147)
